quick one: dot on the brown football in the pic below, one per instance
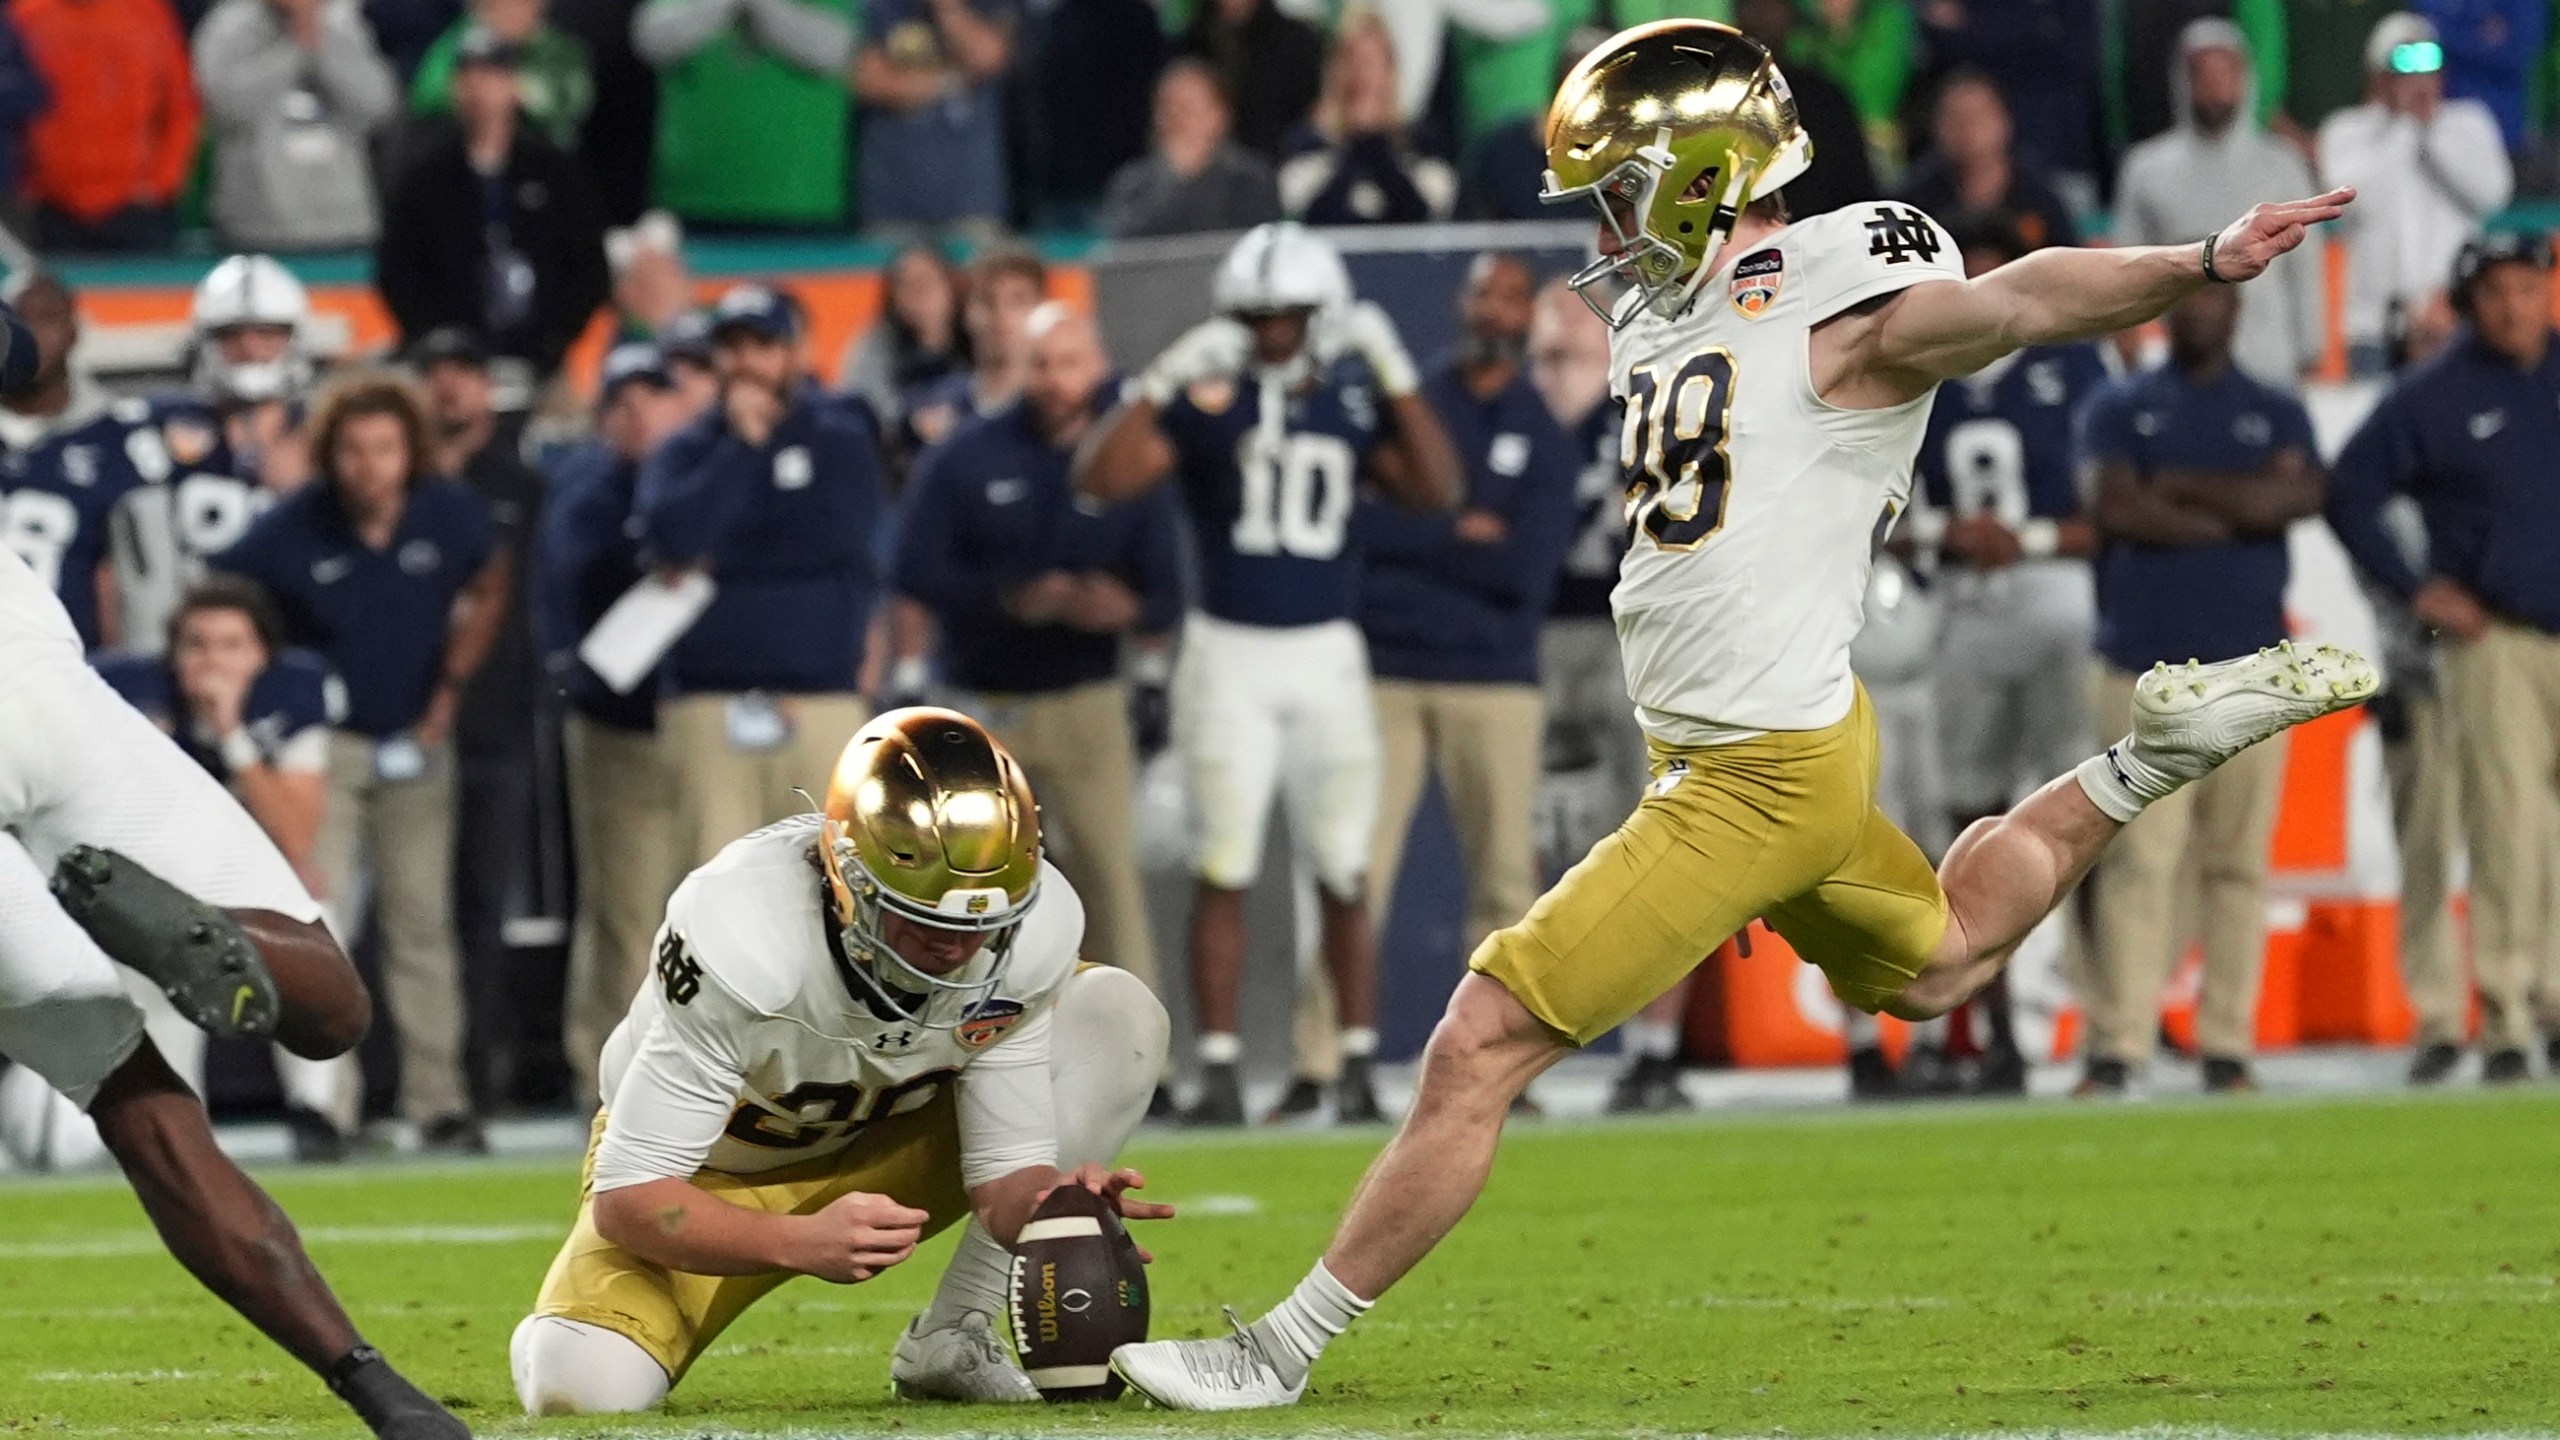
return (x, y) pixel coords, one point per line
(1079, 1293)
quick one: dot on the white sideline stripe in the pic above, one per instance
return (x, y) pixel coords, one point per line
(1221, 1205)
(1062, 1227)
(133, 1377)
(673, 1430)
(146, 1242)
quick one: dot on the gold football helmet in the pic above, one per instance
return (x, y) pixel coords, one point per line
(928, 818)
(1672, 128)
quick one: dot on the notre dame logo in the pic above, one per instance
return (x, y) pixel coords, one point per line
(1899, 232)
(678, 971)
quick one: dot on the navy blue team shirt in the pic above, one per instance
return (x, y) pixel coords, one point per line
(2207, 602)
(1599, 517)
(1995, 446)
(293, 694)
(1438, 608)
(2473, 439)
(55, 499)
(992, 507)
(380, 617)
(1271, 507)
(585, 556)
(789, 529)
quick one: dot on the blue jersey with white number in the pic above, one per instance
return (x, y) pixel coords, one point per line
(2000, 441)
(60, 480)
(198, 497)
(1271, 504)
(1599, 516)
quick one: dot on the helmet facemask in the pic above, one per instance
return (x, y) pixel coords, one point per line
(863, 904)
(1631, 204)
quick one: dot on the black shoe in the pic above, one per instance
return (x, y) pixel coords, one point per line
(1221, 1099)
(2505, 1067)
(1302, 1100)
(2434, 1063)
(196, 953)
(2002, 1072)
(1927, 1072)
(2226, 1076)
(455, 1134)
(1161, 1106)
(316, 1139)
(1871, 1075)
(1355, 1097)
(2104, 1080)
(1650, 1085)
(389, 1405)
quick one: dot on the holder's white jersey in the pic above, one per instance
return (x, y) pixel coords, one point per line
(30, 613)
(1756, 504)
(751, 1049)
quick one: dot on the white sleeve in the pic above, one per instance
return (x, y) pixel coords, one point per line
(682, 1084)
(1864, 251)
(1008, 1103)
(2467, 158)
(304, 752)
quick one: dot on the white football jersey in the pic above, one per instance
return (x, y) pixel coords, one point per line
(1755, 504)
(30, 613)
(751, 1049)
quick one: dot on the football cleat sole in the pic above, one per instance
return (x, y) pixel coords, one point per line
(195, 952)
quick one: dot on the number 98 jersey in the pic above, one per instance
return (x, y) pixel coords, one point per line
(1752, 504)
(1270, 479)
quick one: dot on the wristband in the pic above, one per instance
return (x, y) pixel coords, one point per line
(239, 752)
(2209, 272)
(1151, 666)
(2039, 539)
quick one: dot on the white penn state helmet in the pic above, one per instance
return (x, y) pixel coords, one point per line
(250, 290)
(1280, 266)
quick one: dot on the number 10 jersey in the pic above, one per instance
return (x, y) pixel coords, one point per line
(1753, 505)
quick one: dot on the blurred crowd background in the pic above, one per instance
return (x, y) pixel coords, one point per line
(352, 570)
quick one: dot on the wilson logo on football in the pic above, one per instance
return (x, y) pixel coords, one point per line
(987, 1021)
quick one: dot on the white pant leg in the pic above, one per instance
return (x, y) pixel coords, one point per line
(43, 1130)
(1227, 728)
(1330, 756)
(568, 1367)
(64, 1013)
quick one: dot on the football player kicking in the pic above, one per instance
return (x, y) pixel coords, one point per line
(154, 866)
(1775, 406)
(866, 1024)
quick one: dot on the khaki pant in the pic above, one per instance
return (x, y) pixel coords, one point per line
(2221, 824)
(723, 792)
(1484, 742)
(2502, 693)
(622, 822)
(401, 832)
(1076, 749)
(2425, 771)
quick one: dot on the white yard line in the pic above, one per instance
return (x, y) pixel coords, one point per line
(122, 1243)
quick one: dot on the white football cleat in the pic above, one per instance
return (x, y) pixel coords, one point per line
(1233, 1372)
(968, 1362)
(2189, 718)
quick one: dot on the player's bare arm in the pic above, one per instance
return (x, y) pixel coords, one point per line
(679, 1226)
(1868, 359)
(2291, 488)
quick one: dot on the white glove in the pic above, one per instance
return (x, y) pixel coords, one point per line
(1365, 331)
(1208, 350)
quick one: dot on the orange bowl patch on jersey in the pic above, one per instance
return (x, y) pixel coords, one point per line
(1756, 278)
(987, 1021)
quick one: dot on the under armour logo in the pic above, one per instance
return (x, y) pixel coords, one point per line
(678, 971)
(888, 1040)
(1899, 232)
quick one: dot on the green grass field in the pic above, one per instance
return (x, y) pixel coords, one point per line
(2273, 1267)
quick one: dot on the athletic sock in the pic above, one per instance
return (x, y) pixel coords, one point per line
(1359, 1042)
(1652, 1039)
(1298, 1328)
(2121, 783)
(1220, 1047)
(977, 1280)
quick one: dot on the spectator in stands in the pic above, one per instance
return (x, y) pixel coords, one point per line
(1087, 92)
(2143, 98)
(107, 158)
(1841, 173)
(2043, 56)
(1035, 593)
(295, 90)
(754, 114)
(616, 142)
(1506, 57)
(1421, 32)
(2215, 164)
(555, 86)
(1351, 163)
(621, 792)
(1452, 605)
(1971, 165)
(1005, 285)
(394, 577)
(687, 348)
(1269, 65)
(917, 339)
(23, 97)
(651, 286)
(930, 76)
(2199, 471)
(1506, 165)
(494, 740)
(493, 228)
(2493, 53)
(256, 715)
(2469, 437)
(1867, 46)
(2427, 171)
(776, 494)
(1196, 178)
(403, 29)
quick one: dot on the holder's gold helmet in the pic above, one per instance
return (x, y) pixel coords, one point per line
(928, 818)
(1672, 128)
